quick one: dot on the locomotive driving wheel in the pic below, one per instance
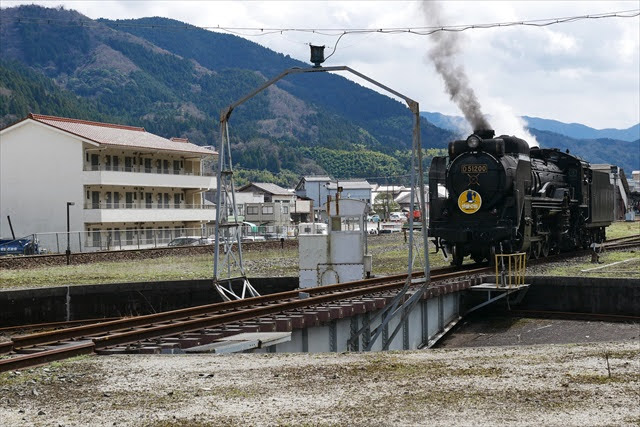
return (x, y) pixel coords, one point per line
(534, 250)
(545, 249)
(456, 256)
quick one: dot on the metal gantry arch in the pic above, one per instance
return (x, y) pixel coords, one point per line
(228, 228)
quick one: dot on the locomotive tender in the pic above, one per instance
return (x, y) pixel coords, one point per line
(497, 195)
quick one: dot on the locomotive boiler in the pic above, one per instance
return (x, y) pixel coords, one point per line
(496, 195)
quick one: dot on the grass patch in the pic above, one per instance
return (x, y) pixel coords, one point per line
(628, 269)
(602, 379)
(389, 251)
(623, 229)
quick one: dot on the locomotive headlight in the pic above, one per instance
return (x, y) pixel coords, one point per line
(473, 142)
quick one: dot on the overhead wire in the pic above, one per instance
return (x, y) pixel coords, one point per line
(337, 32)
(331, 32)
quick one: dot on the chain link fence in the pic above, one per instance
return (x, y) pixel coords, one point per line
(124, 239)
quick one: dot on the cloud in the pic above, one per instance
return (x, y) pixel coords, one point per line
(584, 71)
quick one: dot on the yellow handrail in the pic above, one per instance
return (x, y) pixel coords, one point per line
(514, 275)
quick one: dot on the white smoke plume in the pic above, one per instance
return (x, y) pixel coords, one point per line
(444, 54)
(507, 122)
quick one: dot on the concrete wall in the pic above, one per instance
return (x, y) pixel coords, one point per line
(571, 294)
(583, 295)
(57, 304)
(40, 171)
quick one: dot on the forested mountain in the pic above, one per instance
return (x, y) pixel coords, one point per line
(625, 154)
(175, 79)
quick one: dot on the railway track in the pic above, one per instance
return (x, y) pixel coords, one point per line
(44, 347)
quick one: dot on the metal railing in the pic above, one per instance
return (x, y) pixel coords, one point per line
(144, 205)
(142, 238)
(142, 169)
(512, 274)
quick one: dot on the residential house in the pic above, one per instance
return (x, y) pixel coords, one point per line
(351, 189)
(313, 188)
(404, 201)
(318, 188)
(121, 184)
(274, 211)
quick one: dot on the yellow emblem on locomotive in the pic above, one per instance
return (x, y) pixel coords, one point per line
(469, 201)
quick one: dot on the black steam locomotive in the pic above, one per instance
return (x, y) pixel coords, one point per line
(497, 195)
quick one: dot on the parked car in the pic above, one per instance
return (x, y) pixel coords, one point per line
(373, 218)
(24, 246)
(397, 216)
(253, 239)
(191, 241)
(275, 236)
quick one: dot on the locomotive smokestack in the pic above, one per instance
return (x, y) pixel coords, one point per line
(443, 54)
(485, 133)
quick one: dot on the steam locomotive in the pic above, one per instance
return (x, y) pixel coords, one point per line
(497, 195)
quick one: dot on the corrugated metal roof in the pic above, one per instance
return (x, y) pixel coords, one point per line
(352, 185)
(119, 135)
(314, 178)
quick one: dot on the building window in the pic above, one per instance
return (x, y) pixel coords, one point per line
(129, 197)
(267, 210)
(285, 209)
(129, 236)
(252, 210)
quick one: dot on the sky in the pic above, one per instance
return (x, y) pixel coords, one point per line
(581, 72)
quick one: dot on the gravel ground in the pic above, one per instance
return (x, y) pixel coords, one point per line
(568, 385)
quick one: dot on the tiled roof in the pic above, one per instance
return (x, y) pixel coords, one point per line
(119, 135)
(268, 188)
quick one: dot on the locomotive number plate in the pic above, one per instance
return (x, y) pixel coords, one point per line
(475, 168)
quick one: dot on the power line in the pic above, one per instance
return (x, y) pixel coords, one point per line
(336, 32)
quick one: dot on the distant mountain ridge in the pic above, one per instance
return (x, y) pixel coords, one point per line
(580, 131)
(621, 152)
(176, 83)
(572, 130)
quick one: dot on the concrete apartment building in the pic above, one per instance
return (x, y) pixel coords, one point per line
(119, 178)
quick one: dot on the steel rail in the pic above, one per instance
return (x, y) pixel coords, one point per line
(70, 323)
(48, 337)
(123, 331)
(46, 356)
(176, 326)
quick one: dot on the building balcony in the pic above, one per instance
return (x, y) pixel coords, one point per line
(141, 177)
(141, 212)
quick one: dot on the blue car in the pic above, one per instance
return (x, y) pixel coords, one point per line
(24, 246)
